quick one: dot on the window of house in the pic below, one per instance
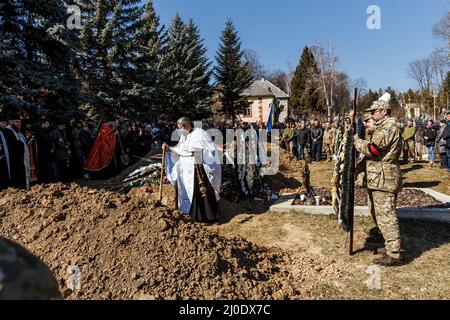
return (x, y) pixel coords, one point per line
(248, 111)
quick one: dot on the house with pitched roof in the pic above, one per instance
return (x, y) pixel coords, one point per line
(260, 95)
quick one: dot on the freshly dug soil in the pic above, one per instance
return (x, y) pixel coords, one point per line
(128, 247)
(406, 198)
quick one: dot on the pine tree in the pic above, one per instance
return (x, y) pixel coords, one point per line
(129, 20)
(394, 103)
(144, 94)
(184, 72)
(97, 56)
(107, 54)
(232, 75)
(200, 74)
(303, 95)
(36, 59)
(367, 100)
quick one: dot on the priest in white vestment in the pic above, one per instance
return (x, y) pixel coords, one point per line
(193, 167)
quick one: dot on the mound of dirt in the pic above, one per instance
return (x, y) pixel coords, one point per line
(127, 247)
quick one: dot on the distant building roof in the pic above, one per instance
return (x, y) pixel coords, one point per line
(264, 88)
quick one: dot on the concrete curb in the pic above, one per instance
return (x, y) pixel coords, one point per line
(285, 205)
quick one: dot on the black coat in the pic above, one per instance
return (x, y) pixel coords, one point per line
(4, 174)
(317, 134)
(16, 160)
(86, 142)
(429, 136)
(44, 144)
(303, 137)
(446, 136)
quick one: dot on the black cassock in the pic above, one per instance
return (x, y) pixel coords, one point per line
(4, 172)
(204, 207)
(16, 160)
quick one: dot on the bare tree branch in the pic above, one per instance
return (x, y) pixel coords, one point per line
(421, 71)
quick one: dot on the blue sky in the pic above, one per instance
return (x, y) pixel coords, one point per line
(278, 31)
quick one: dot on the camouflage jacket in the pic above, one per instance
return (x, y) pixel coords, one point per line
(383, 151)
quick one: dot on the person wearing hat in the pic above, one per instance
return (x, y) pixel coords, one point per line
(5, 174)
(384, 180)
(19, 157)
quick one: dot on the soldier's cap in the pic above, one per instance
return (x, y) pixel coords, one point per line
(377, 105)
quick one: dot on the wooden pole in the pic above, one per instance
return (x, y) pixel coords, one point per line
(161, 181)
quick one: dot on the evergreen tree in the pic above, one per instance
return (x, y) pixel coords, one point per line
(184, 72)
(107, 54)
(97, 56)
(141, 38)
(142, 97)
(304, 97)
(200, 73)
(367, 100)
(36, 59)
(232, 74)
(394, 103)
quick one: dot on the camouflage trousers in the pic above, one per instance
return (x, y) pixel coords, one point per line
(383, 207)
(329, 150)
(409, 152)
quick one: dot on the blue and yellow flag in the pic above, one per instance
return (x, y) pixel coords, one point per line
(271, 121)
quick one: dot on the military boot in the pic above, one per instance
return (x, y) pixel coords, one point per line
(388, 261)
(375, 236)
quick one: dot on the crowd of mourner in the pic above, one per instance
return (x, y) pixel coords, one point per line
(46, 151)
(423, 139)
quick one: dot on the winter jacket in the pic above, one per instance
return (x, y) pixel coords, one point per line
(409, 133)
(440, 140)
(288, 134)
(383, 152)
(430, 136)
(303, 136)
(316, 134)
(446, 135)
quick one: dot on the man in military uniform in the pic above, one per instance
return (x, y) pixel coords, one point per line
(409, 135)
(384, 178)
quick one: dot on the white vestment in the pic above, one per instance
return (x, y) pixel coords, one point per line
(180, 166)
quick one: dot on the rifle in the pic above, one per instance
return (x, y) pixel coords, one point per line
(352, 183)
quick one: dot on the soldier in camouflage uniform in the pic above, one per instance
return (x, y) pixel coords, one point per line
(384, 180)
(23, 276)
